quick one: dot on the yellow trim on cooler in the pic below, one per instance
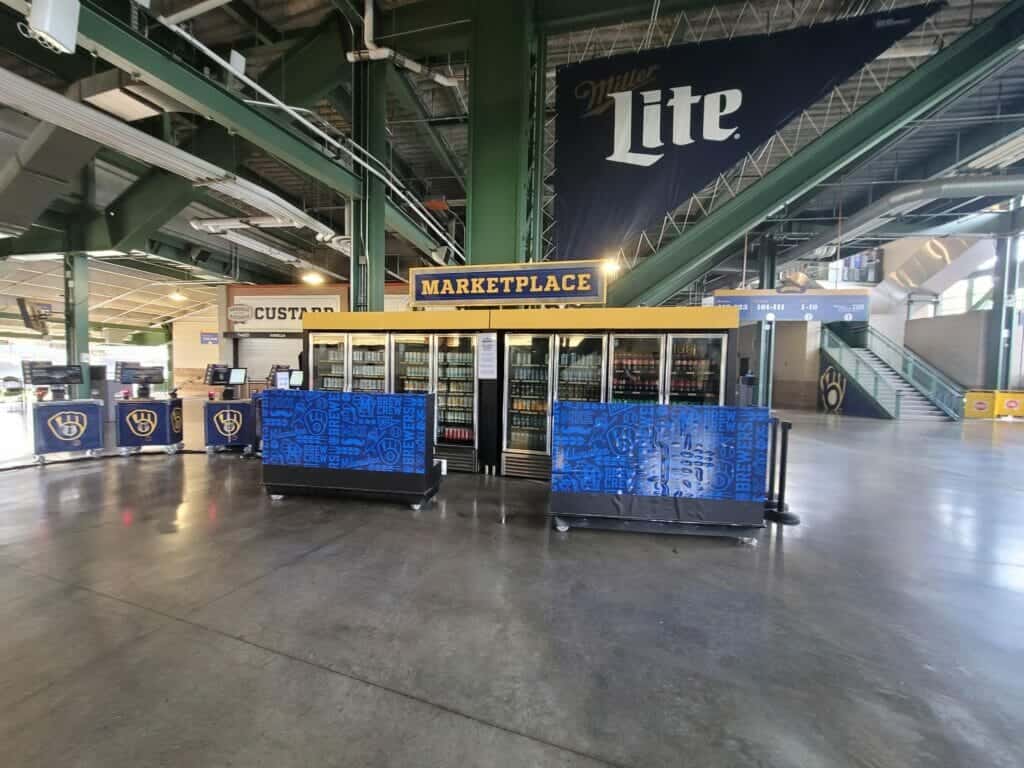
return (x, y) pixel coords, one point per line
(617, 319)
(466, 320)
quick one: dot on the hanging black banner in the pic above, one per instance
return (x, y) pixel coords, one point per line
(639, 133)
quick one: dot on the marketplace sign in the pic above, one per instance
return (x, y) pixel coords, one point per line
(822, 306)
(573, 282)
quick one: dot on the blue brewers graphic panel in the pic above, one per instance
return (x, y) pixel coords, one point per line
(660, 450)
(344, 430)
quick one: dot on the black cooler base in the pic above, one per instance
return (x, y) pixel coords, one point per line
(414, 490)
(656, 514)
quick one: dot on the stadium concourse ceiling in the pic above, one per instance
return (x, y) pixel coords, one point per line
(295, 48)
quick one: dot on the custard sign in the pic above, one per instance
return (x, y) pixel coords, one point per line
(574, 282)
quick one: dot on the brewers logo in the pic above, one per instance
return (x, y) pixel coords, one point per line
(68, 425)
(176, 419)
(832, 386)
(228, 422)
(142, 422)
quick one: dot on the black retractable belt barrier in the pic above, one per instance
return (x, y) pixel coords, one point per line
(776, 509)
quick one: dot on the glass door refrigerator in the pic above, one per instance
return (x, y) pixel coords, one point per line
(412, 363)
(527, 423)
(369, 356)
(581, 368)
(327, 361)
(456, 417)
(695, 369)
(635, 372)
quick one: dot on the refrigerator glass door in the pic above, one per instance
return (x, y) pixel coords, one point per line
(636, 369)
(369, 362)
(456, 390)
(328, 361)
(411, 364)
(527, 393)
(580, 368)
(696, 374)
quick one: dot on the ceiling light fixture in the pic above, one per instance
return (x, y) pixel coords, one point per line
(177, 296)
(313, 278)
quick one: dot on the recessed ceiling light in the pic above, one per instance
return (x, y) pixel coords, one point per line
(177, 296)
(313, 278)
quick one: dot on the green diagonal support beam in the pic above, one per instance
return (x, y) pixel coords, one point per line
(964, 63)
(122, 47)
(118, 44)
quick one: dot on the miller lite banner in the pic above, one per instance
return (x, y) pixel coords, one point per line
(639, 133)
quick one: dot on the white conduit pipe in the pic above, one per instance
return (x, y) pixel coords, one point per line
(374, 52)
(387, 177)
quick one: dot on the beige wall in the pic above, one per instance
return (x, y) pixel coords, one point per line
(955, 344)
(189, 357)
(797, 354)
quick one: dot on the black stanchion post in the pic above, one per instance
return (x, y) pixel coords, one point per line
(780, 513)
(773, 452)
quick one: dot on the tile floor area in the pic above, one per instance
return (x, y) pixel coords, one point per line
(161, 611)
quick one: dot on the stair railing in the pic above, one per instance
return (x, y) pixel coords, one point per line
(940, 390)
(888, 397)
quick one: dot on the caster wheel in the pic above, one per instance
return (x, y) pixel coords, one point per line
(276, 496)
(170, 450)
(124, 451)
(210, 450)
(561, 525)
(415, 507)
(40, 460)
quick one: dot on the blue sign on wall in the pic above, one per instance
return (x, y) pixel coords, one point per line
(229, 423)
(580, 282)
(209, 338)
(67, 426)
(347, 430)
(823, 306)
(693, 452)
(149, 422)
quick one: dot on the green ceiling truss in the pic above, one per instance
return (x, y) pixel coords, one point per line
(961, 65)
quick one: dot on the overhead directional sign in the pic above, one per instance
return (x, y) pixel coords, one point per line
(815, 305)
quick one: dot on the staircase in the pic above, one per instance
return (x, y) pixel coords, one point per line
(902, 384)
(913, 405)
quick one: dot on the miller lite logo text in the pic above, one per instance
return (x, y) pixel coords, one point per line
(683, 103)
(142, 422)
(68, 425)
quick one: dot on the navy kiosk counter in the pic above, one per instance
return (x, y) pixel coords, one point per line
(149, 423)
(229, 424)
(350, 444)
(67, 425)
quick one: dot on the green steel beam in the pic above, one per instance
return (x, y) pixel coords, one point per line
(139, 211)
(433, 28)
(540, 90)
(368, 227)
(965, 62)
(76, 315)
(112, 40)
(499, 132)
(311, 68)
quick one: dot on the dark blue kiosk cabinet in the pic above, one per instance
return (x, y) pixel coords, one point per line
(229, 423)
(659, 468)
(149, 423)
(348, 443)
(67, 425)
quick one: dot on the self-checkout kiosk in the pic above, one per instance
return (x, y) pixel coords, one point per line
(144, 421)
(228, 422)
(60, 424)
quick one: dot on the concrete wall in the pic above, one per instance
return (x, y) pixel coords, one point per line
(955, 344)
(797, 354)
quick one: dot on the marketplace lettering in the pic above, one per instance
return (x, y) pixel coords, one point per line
(506, 284)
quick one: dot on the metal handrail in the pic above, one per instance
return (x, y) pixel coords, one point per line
(938, 388)
(888, 397)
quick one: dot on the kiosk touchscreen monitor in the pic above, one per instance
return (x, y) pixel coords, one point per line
(296, 379)
(237, 377)
(282, 379)
(217, 375)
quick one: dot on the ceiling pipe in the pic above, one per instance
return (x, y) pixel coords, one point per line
(902, 200)
(374, 52)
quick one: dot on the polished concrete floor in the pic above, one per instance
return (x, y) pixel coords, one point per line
(159, 611)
